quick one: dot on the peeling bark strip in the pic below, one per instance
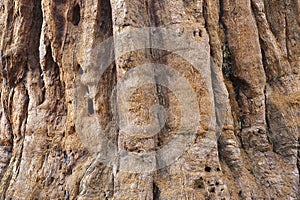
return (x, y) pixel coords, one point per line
(247, 93)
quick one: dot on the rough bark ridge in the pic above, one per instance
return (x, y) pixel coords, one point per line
(254, 46)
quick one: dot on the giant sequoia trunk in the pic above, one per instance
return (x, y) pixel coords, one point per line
(204, 104)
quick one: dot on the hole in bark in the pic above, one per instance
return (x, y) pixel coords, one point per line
(51, 180)
(69, 171)
(76, 15)
(67, 195)
(65, 155)
(212, 189)
(199, 183)
(240, 192)
(222, 189)
(217, 183)
(218, 169)
(197, 33)
(207, 169)
(90, 106)
(156, 192)
(79, 69)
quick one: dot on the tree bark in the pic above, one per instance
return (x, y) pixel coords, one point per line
(100, 99)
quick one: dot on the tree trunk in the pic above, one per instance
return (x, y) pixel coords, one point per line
(149, 99)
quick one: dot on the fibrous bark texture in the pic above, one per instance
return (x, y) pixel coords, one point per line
(149, 99)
